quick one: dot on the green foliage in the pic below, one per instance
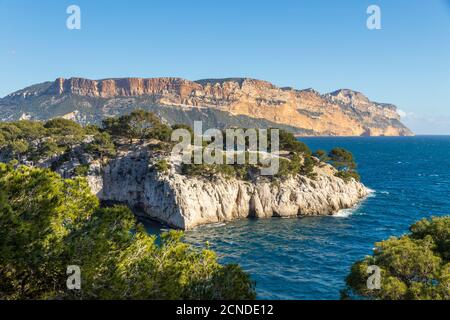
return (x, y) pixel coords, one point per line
(116, 127)
(212, 170)
(413, 267)
(307, 168)
(38, 210)
(139, 124)
(10, 131)
(48, 148)
(289, 167)
(438, 229)
(288, 142)
(344, 162)
(162, 166)
(17, 147)
(21, 130)
(296, 165)
(36, 140)
(65, 131)
(49, 223)
(161, 132)
(15, 137)
(82, 170)
(348, 175)
(29, 129)
(321, 155)
(341, 159)
(101, 145)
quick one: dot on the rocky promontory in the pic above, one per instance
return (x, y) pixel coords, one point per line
(131, 160)
(185, 202)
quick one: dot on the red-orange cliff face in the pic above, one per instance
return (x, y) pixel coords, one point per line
(341, 113)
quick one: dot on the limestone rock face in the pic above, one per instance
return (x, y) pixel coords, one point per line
(340, 113)
(186, 202)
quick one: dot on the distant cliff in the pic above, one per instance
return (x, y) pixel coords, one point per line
(217, 102)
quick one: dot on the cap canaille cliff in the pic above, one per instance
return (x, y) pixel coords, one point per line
(218, 103)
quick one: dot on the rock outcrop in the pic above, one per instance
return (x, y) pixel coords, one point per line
(218, 102)
(186, 202)
(183, 201)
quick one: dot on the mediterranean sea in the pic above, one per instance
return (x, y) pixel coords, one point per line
(308, 258)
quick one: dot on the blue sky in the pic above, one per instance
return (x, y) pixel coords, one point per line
(323, 44)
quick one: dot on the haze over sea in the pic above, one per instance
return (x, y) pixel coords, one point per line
(308, 258)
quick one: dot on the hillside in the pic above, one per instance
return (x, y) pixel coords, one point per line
(218, 103)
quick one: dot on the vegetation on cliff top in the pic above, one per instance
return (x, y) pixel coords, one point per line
(49, 223)
(415, 266)
(35, 141)
(342, 160)
(32, 141)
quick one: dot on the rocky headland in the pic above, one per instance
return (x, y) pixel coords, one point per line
(139, 168)
(185, 203)
(219, 103)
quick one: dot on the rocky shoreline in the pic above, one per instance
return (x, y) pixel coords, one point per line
(186, 202)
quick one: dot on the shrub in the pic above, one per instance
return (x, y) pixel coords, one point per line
(82, 170)
(413, 267)
(321, 155)
(288, 142)
(66, 131)
(17, 147)
(162, 166)
(307, 168)
(341, 159)
(348, 175)
(101, 145)
(49, 223)
(139, 124)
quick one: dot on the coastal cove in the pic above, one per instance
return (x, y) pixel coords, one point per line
(308, 258)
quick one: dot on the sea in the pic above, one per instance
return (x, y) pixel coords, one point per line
(308, 258)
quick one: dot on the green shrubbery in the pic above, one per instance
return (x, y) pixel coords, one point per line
(288, 142)
(101, 145)
(139, 124)
(342, 160)
(162, 166)
(82, 170)
(347, 176)
(297, 161)
(413, 267)
(49, 223)
(35, 140)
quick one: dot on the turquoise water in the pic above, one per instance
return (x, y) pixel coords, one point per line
(308, 258)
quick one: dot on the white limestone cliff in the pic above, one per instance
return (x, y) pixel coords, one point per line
(186, 202)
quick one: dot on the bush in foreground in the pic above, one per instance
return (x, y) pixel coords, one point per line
(49, 223)
(413, 267)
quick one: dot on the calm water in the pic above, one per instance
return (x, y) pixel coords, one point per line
(308, 258)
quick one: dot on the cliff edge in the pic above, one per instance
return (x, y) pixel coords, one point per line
(219, 103)
(186, 202)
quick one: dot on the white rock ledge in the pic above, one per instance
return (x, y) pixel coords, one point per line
(186, 202)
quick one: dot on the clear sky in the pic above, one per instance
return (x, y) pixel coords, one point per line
(323, 44)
